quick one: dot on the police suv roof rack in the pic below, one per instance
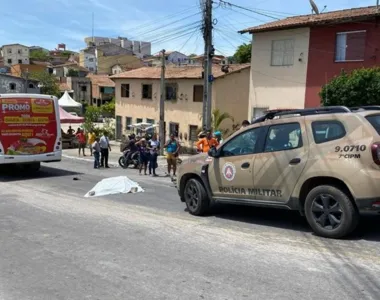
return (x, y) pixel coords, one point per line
(369, 107)
(303, 112)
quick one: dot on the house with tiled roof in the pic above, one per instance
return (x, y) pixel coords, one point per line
(103, 89)
(294, 57)
(137, 94)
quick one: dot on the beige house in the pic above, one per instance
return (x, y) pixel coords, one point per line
(137, 95)
(14, 54)
(279, 63)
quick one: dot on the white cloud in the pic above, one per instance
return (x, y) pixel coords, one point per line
(98, 4)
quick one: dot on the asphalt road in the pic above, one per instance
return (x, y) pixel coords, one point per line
(56, 244)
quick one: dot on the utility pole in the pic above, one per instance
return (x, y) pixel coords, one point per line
(26, 83)
(162, 104)
(207, 65)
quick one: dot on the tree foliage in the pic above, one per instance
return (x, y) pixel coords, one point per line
(48, 83)
(40, 55)
(72, 73)
(358, 88)
(243, 54)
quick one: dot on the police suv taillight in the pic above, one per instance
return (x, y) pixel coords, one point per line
(375, 149)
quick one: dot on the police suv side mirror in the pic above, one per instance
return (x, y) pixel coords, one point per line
(213, 152)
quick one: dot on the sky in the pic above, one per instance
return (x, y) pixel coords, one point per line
(171, 25)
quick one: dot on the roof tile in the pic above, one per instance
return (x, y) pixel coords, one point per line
(101, 80)
(188, 72)
(333, 17)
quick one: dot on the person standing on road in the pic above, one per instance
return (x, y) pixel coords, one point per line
(205, 144)
(144, 155)
(105, 148)
(91, 139)
(244, 124)
(172, 147)
(154, 147)
(81, 141)
(96, 152)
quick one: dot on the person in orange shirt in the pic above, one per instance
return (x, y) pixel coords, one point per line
(205, 144)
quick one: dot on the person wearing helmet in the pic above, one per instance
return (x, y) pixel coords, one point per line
(218, 137)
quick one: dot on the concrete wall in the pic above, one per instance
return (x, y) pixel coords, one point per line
(7, 82)
(81, 87)
(87, 60)
(105, 63)
(323, 45)
(278, 86)
(16, 53)
(230, 94)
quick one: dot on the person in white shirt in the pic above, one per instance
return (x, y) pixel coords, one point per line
(96, 152)
(105, 148)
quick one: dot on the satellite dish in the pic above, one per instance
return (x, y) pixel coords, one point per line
(314, 7)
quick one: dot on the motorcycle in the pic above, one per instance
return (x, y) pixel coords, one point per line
(133, 160)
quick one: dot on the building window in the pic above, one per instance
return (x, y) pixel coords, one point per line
(171, 91)
(20, 61)
(91, 69)
(139, 120)
(91, 60)
(193, 130)
(9, 60)
(150, 131)
(124, 90)
(198, 93)
(128, 122)
(9, 50)
(350, 46)
(102, 90)
(12, 86)
(174, 129)
(83, 88)
(282, 53)
(19, 51)
(31, 86)
(147, 91)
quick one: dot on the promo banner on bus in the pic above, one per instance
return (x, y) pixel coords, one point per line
(27, 126)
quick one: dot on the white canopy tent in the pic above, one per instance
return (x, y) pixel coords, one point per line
(67, 101)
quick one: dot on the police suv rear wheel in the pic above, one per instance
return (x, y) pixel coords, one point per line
(196, 198)
(330, 212)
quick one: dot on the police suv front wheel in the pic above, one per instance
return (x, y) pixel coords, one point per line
(196, 198)
(330, 212)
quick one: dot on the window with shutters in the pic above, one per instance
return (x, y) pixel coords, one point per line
(171, 91)
(282, 53)
(350, 46)
(128, 122)
(193, 133)
(124, 90)
(147, 91)
(198, 93)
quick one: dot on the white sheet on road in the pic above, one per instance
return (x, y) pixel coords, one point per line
(114, 185)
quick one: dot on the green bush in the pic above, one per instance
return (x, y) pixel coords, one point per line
(359, 88)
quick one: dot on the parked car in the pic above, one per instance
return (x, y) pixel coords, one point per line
(323, 162)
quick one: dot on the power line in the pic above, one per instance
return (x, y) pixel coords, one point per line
(155, 21)
(160, 27)
(225, 4)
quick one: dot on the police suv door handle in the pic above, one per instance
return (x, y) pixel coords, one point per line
(295, 161)
(245, 165)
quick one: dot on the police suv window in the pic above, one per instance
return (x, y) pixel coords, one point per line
(243, 144)
(283, 137)
(325, 131)
(375, 122)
